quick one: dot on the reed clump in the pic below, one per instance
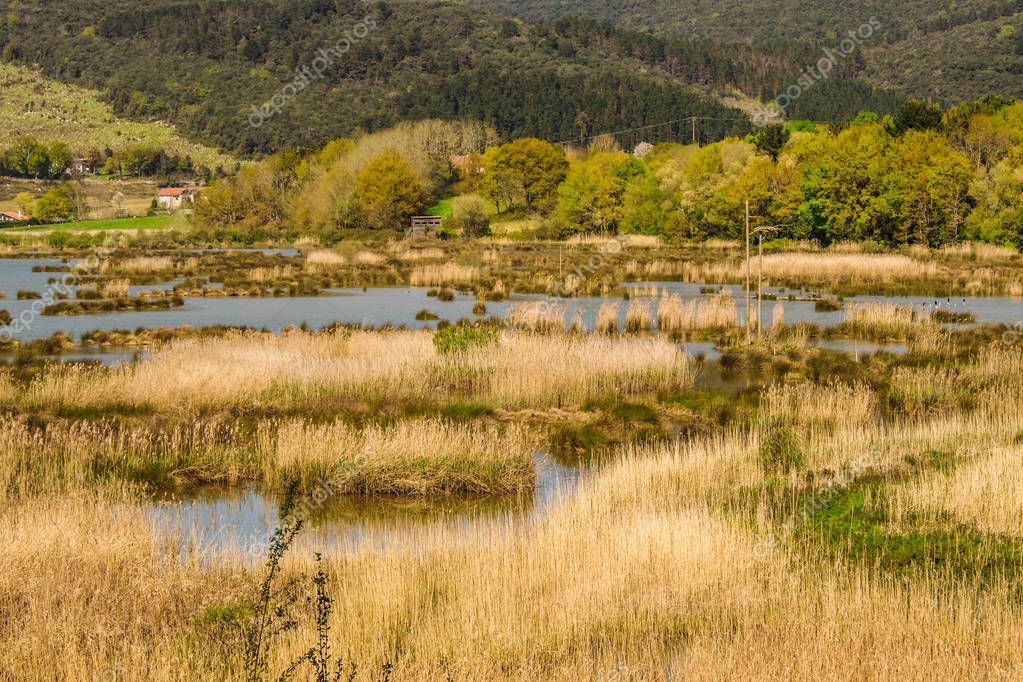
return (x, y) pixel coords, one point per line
(537, 316)
(638, 317)
(410, 457)
(443, 274)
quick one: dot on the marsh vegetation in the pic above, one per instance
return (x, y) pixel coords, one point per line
(770, 507)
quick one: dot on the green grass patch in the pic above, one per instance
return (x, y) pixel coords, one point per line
(445, 208)
(160, 222)
(847, 528)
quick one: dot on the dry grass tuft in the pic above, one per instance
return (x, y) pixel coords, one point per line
(819, 405)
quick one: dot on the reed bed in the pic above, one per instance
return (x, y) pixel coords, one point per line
(368, 258)
(411, 457)
(144, 264)
(443, 274)
(324, 259)
(117, 288)
(980, 252)
(808, 404)
(246, 370)
(639, 574)
(883, 320)
(266, 275)
(850, 268)
(537, 316)
(429, 253)
(65, 454)
(717, 311)
(986, 491)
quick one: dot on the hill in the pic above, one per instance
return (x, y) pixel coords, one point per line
(49, 110)
(210, 67)
(952, 50)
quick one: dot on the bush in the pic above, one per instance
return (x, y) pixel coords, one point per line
(458, 339)
(782, 451)
(471, 215)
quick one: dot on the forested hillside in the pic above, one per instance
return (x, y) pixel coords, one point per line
(207, 65)
(953, 50)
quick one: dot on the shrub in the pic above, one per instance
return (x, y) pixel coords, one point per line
(782, 451)
(457, 339)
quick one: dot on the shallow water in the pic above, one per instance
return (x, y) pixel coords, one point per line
(399, 306)
(212, 521)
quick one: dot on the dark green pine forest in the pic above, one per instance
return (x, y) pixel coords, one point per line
(203, 64)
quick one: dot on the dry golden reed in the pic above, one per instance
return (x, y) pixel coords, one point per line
(324, 259)
(638, 316)
(607, 318)
(442, 274)
(537, 316)
(410, 457)
(986, 492)
(522, 369)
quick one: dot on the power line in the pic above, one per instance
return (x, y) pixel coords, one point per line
(692, 119)
(652, 126)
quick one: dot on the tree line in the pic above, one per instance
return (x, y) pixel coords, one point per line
(27, 157)
(923, 176)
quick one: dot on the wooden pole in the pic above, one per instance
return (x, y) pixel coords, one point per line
(748, 277)
(760, 288)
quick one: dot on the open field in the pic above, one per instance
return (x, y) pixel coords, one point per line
(101, 202)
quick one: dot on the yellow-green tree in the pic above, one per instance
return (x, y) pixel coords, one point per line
(388, 192)
(57, 205)
(592, 196)
(527, 171)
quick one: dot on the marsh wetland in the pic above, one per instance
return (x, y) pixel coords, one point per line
(513, 460)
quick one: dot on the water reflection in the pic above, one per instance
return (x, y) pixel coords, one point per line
(214, 521)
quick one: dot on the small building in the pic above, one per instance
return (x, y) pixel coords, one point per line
(13, 217)
(81, 165)
(425, 225)
(173, 198)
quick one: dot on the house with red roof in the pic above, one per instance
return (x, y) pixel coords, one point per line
(173, 198)
(13, 217)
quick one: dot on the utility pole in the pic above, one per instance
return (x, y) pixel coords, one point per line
(748, 283)
(760, 288)
(760, 232)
